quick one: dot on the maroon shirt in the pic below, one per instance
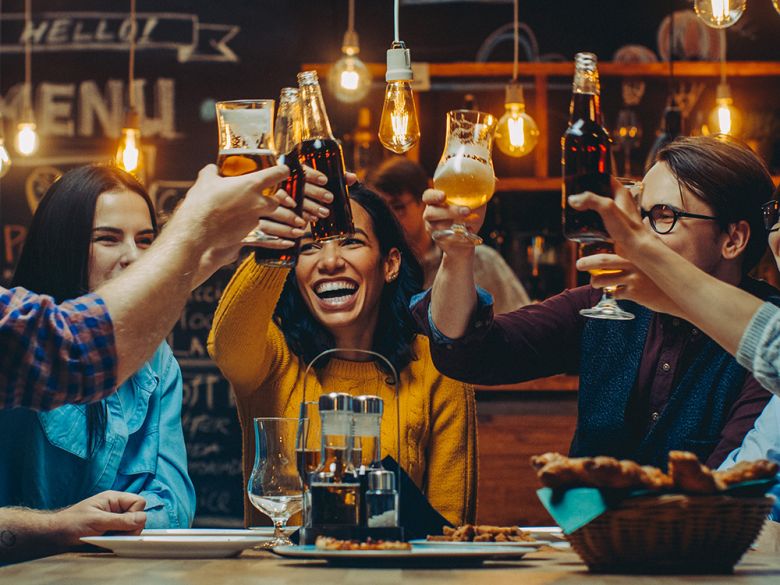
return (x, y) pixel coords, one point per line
(545, 339)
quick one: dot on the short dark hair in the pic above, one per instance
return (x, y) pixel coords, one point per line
(395, 330)
(399, 175)
(728, 176)
(55, 257)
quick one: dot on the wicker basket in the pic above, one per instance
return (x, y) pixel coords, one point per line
(672, 534)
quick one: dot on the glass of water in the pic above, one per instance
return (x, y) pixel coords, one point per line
(275, 486)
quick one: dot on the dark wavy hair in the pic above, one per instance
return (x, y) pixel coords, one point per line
(55, 256)
(395, 328)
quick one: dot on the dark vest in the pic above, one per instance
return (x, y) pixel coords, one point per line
(694, 416)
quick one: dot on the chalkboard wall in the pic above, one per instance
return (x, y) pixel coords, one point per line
(191, 53)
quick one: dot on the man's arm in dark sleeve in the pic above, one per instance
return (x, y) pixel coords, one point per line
(534, 341)
(742, 416)
(54, 354)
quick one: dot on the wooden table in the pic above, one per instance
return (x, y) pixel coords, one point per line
(254, 567)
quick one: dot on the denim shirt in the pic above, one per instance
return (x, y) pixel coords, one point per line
(46, 463)
(762, 442)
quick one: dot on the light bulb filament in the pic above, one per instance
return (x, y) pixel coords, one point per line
(724, 119)
(350, 80)
(516, 132)
(26, 139)
(720, 10)
(129, 153)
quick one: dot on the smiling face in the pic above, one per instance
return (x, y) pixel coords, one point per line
(700, 241)
(342, 281)
(121, 231)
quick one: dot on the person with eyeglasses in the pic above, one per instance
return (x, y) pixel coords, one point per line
(746, 326)
(649, 385)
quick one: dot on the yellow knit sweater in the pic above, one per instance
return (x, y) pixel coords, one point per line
(438, 415)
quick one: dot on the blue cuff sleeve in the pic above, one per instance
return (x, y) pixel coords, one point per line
(484, 300)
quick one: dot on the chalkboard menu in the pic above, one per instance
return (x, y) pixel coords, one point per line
(211, 429)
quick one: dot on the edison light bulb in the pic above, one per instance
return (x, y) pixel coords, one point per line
(399, 129)
(724, 118)
(776, 4)
(26, 141)
(349, 78)
(128, 154)
(516, 133)
(720, 13)
(5, 160)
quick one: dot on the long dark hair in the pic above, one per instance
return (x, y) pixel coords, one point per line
(395, 328)
(55, 256)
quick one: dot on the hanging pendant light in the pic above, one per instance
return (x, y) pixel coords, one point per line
(725, 118)
(399, 129)
(517, 132)
(26, 141)
(350, 79)
(129, 154)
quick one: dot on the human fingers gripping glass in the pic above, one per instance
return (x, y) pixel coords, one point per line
(664, 217)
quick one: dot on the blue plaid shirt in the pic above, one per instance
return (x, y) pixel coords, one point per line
(52, 354)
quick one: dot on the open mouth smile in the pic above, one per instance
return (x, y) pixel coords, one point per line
(336, 293)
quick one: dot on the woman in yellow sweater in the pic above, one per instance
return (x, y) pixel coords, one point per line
(271, 322)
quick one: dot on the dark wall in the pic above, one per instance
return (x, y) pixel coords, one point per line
(185, 69)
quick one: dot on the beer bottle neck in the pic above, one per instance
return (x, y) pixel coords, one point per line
(585, 106)
(314, 117)
(586, 90)
(287, 130)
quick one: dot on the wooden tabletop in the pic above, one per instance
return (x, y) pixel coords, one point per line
(559, 567)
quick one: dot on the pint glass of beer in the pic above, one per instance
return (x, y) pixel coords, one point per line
(465, 171)
(246, 143)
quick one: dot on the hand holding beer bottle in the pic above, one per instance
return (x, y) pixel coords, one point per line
(587, 167)
(465, 172)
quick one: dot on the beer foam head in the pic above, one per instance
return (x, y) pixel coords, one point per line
(248, 125)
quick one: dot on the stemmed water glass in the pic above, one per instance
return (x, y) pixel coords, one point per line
(275, 487)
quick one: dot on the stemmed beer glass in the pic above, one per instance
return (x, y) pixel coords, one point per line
(607, 307)
(246, 144)
(465, 172)
(275, 487)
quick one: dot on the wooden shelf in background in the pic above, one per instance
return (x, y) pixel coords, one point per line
(560, 383)
(472, 69)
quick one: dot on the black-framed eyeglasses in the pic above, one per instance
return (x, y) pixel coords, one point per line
(664, 217)
(771, 213)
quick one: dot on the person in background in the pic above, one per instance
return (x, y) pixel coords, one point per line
(354, 293)
(402, 183)
(91, 225)
(652, 384)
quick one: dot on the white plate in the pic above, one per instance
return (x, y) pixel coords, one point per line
(418, 556)
(201, 532)
(176, 547)
(545, 532)
(468, 545)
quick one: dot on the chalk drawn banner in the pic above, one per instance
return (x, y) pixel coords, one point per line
(193, 41)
